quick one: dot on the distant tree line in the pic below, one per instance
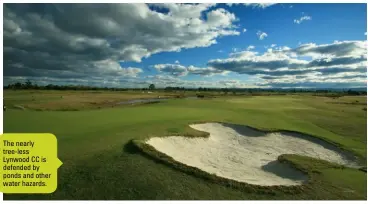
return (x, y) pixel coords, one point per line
(29, 85)
(270, 90)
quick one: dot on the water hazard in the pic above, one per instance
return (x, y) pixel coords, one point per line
(150, 100)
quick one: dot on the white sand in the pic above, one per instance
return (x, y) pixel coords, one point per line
(246, 155)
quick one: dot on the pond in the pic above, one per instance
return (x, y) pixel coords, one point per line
(150, 100)
(147, 100)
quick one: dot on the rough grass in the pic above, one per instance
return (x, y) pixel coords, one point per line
(73, 100)
(99, 165)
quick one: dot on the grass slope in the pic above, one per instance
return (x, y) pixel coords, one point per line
(100, 164)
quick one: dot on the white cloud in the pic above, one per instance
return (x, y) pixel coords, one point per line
(180, 70)
(303, 18)
(61, 37)
(110, 67)
(173, 69)
(250, 47)
(259, 5)
(244, 30)
(231, 83)
(261, 35)
(336, 49)
(57, 43)
(220, 18)
(249, 61)
(339, 64)
(167, 80)
(208, 71)
(243, 54)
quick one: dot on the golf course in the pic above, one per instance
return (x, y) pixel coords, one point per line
(102, 143)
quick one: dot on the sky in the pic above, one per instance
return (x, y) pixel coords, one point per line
(239, 45)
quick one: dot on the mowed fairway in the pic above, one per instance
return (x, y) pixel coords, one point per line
(99, 163)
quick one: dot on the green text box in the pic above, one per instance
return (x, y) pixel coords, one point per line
(29, 163)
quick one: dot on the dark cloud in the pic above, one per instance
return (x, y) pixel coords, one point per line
(337, 49)
(208, 71)
(335, 70)
(173, 69)
(85, 40)
(283, 66)
(244, 66)
(322, 84)
(254, 5)
(180, 70)
(320, 71)
(327, 62)
(84, 43)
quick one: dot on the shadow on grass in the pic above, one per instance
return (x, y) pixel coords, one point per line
(131, 148)
(285, 170)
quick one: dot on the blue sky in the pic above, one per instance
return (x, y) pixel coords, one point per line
(301, 36)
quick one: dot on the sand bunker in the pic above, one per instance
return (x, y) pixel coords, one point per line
(247, 155)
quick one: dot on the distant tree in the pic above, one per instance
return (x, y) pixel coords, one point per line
(28, 84)
(225, 90)
(151, 86)
(18, 85)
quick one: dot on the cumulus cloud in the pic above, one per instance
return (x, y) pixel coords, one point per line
(250, 47)
(159, 80)
(167, 80)
(331, 61)
(313, 84)
(235, 84)
(337, 49)
(173, 69)
(259, 5)
(253, 5)
(248, 61)
(208, 71)
(261, 35)
(301, 19)
(90, 43)
(180, 70)
(84, 40)
(337, 62)
(244, 30)
(220, 18)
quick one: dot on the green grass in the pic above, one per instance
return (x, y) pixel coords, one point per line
(100, 163)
